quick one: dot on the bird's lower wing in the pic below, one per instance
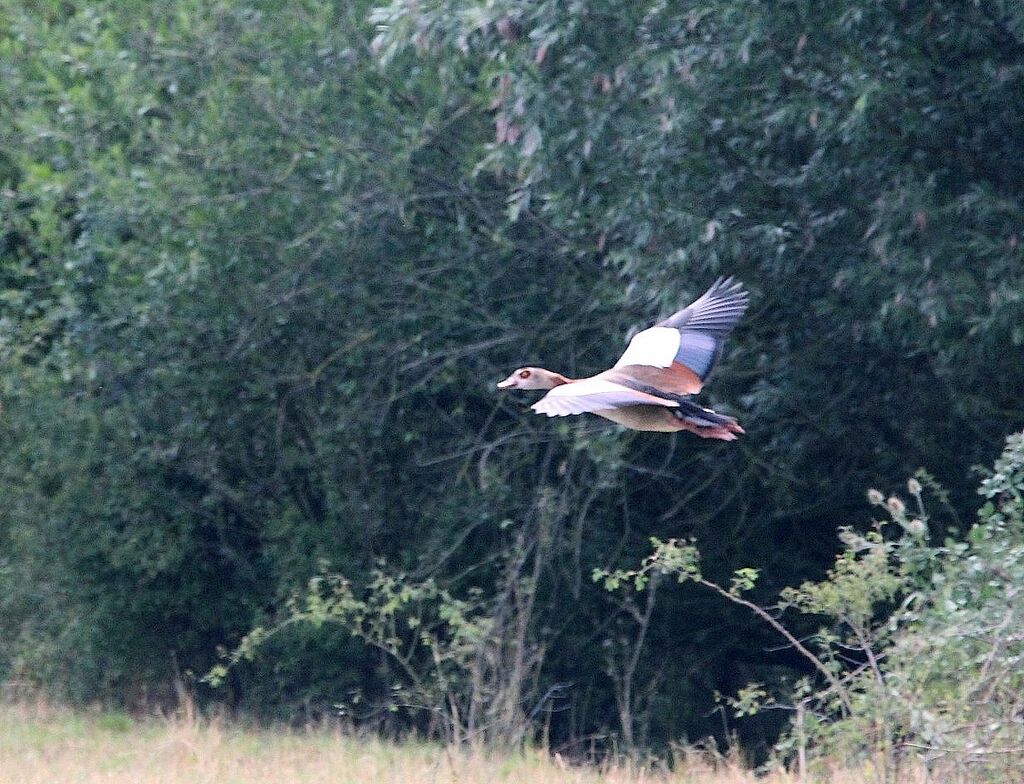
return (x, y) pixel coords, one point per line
(594, 394)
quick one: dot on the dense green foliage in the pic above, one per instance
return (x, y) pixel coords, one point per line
(262, 263)
(952, 677)
(934, 676)
(918, 654)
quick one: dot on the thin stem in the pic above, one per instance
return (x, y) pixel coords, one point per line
(774, 623)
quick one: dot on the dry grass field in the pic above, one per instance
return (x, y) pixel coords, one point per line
(40, 744)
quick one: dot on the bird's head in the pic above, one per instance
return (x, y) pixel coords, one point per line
(533, 378)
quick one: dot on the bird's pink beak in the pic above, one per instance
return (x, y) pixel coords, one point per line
(507, 383)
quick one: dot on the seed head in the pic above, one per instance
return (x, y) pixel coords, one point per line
(875, 497)
(913, 486)
(895, 506)
(916, 527)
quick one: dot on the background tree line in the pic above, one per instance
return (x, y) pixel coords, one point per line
(262, 263)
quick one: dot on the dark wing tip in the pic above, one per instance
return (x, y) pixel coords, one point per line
(716, 311)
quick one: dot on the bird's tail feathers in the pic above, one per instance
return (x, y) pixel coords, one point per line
(707, 423)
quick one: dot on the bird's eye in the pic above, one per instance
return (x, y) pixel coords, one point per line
(524, 374)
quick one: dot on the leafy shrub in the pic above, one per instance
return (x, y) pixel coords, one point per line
(920, 652)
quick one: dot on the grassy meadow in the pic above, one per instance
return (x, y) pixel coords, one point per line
(43, 744)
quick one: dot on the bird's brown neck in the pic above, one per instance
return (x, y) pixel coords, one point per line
(557, 379)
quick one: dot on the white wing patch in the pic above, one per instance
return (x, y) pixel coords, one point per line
(655, 347)
(594, 394)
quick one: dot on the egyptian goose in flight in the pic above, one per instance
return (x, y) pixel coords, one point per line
(648, 388)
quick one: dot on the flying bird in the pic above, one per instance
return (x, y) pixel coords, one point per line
(649, 388)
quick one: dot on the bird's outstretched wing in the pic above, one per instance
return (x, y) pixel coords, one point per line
(677, 354)
(594, 394)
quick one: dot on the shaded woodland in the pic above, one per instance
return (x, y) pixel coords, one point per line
(262, 263)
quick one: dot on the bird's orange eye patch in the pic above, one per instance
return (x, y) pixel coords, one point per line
(524, 374)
